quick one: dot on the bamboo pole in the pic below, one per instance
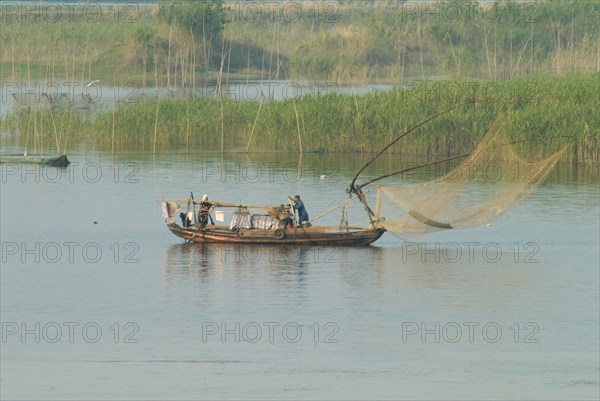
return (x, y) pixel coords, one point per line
(254, 125)
(248, 67)
(396, 140)
(457, 61)
(298, 125)
(67, 131)
(156, 124)
(84, 58)
(193, 61)
(228, 64)
(204, 50)
(55, 131)
(421, 52)
(28, 66)
(510, 53)
(112, 151)
(333, 209)
(531, 52)
(187, 123)
(219, 82)
(34, 130)
(66, 61)
(13, 77)
(168, 66)
(496, 51)
(358, 119)
(27, 133)
(222, 127)
(222, 204)
(520, 57)
(487, 52)
(406, 170)
(41, 135)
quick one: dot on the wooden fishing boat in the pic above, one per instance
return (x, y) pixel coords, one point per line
(57, 161)
(348, 236)
(445, 203)
(275, 225)
(252, 224)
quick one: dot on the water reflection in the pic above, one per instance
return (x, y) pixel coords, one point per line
(205, 261)
(274, 269)
(368, 292)
(474, 280)
(463, 266)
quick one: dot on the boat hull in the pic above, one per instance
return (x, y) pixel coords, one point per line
(59, 161)
(300, 236)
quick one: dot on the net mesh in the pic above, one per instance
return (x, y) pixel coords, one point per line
(492, 178)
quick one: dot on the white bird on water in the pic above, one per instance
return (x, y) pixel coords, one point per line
(92, 83)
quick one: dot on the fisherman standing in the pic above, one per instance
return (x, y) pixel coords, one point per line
(204, 213)
(302, 213)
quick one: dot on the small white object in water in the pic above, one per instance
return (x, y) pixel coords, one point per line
(322, 177)
(489, 224)
(92, 83)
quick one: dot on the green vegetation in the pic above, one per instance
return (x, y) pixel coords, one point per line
(557, 111)
(184, 42)
(538, 62)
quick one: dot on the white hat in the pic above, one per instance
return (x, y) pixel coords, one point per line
(205, 198)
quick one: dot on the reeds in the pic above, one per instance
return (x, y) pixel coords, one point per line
(371, 43)
(560, 111)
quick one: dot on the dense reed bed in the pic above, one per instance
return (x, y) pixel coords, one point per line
(554, 111)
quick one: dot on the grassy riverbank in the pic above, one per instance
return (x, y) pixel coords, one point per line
(559, 111)
(349, 42)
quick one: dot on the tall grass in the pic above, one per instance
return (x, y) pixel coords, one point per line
(354, 42)
(558, 111)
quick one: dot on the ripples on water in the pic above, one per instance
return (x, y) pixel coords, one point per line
(352, 305)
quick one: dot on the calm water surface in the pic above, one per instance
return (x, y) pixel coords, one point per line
(122, 309)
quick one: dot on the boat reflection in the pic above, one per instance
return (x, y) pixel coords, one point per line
(200, 259)
(207, 261)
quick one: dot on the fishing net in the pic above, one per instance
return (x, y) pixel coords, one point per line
(491, 179)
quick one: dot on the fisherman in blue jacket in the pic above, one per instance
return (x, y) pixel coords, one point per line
(299, 206)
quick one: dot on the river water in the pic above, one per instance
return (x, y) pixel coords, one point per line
(100, 301)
